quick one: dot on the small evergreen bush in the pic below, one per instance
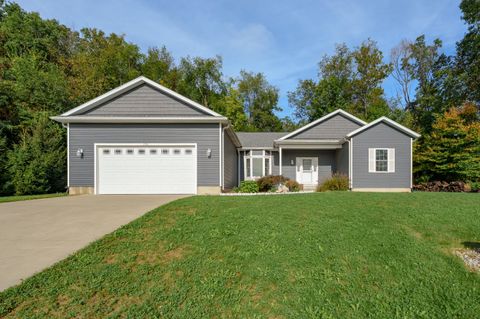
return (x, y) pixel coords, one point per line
(248, 187)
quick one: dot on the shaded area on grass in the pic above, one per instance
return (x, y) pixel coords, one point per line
(327, 255)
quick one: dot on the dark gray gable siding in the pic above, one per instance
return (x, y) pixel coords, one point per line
(335, 127)
(84, 136)
(145, 100)
(230, 170)
(378, 136)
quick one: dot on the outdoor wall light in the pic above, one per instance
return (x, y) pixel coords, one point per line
(80, 152)
(209, 153)
(291, 162)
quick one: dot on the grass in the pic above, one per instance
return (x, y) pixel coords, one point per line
(5, 199)
(324, 255)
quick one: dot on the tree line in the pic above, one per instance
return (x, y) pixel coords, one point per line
(47, 68)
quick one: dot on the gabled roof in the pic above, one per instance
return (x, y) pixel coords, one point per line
(387, 121)
(322, 119)
(130, 85)
(258, 139)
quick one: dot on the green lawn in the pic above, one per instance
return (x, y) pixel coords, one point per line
(324, 255)
(5, 199)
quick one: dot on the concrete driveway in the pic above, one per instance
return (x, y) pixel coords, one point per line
(35, 234)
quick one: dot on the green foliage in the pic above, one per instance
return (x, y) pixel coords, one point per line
(248, 187)
(475, 186)
(259, 101)
(338, 182)
(452, 149)
(349, 80)
(37, 164)
(268, 183)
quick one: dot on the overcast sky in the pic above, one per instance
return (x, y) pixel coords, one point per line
(283, 39)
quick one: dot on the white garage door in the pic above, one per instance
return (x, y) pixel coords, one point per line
(152, 169)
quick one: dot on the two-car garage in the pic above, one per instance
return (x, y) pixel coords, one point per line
(146, 168)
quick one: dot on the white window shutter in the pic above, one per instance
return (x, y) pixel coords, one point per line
(391, 160)
(371, 160)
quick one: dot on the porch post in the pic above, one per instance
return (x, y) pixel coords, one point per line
(280, 160)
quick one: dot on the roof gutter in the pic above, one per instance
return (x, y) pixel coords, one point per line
(131, 119)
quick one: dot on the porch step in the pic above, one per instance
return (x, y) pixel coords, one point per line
(309, 187)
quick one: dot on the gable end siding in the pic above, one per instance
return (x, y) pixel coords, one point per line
(381, 136)
(335, 127)
(144, 100)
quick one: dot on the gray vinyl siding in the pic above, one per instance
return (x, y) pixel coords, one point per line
(326, 162)
(335, 127)
(84, 136)
(230, 170)
(342, 159)
(144, 100)
(381, 136)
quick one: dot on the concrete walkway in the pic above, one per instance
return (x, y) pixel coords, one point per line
(35, 234)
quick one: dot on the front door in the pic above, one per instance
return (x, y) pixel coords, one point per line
(307, 170)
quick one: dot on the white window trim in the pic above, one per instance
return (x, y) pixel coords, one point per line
(373, 151)
(263, 156)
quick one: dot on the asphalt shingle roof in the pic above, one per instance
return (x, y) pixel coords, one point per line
(259, 139)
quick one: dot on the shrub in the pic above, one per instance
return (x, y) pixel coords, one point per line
(292, 185)
(268, 183)
(248, 187)
(475, 187)
(338, 182)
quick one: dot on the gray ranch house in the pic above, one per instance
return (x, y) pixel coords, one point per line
(142, 138)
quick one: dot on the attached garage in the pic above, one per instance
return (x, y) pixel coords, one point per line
(146, 169)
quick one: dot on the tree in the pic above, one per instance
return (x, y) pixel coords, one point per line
(260, 101)
(401, 57)
(231, 106)
(370, 72)
(38, 163)
(452, 149)
(159, 66)
(201, 79)
(467, 60)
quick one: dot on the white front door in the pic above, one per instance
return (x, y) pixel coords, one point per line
(307, 170)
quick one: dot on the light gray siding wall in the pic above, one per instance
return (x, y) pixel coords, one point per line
(342, 159)
(85, 135)
(326, 162)
(378, 136)
(230, 162)
(335, 127)
(144, 100)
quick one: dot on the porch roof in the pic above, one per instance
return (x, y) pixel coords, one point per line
(310, 143)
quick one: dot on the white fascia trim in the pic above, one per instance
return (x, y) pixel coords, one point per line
(411, 162)
(312, 147)
(132, 119)
(310, 142)
(388, 121)
(220, 155)
(68, 155)
(246, 148)
(132, 84)
(350, 162)
(326, 117)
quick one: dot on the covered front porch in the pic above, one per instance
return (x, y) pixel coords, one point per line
(310, 162)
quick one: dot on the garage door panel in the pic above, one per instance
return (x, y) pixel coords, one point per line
(146, 170)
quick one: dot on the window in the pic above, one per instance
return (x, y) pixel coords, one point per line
(257, 163)
(188, 152)
(129, 152)
(381, 160)
(118, 152)
(106, 152)
(153, 151)
(141, 152)
(176, 151)
(165, 151)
